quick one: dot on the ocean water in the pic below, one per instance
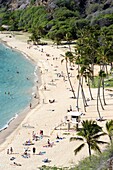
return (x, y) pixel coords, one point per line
(16, 83)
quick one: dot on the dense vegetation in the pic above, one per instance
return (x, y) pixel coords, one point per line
(58, 19)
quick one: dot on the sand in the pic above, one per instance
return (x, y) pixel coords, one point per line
(45, 115)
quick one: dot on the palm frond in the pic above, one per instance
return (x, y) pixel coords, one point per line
(76, 138)
(79, 148)
(62, 61)
(101, 142)
(99, 135)
(95, 147)
(62, 55)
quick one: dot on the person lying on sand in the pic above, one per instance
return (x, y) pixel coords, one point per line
(29, 142)
(17, 164)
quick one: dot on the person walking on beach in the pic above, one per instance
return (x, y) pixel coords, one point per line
(30, 105)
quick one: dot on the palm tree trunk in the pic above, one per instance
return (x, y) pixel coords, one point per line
(78, 94)
(89, 148)
(83, 93)
(69, 46)
(90, 90)
(92, 68)
(103, 91)
(99, 96)
(83, 98)
(111, 64)
(99, 82)
(70, 81)
(106, 69)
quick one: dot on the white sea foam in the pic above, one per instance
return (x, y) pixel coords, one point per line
(7, 124)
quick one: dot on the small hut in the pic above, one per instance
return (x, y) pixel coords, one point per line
(75, 116)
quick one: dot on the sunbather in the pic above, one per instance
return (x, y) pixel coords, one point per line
(17, 164)
(50, 144)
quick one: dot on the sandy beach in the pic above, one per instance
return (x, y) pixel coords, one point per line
(45, 115)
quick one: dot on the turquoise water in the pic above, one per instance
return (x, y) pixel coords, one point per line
(16, 83)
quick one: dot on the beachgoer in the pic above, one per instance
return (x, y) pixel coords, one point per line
(30, 105)
(7, 151)
(70, 108)
(44, 87)
(57, 137)
(25, 153)
(17, 164)
(35, 96)
(48, 142)
(33, 135)
(41, 134)
(34, 150)
(11, 150)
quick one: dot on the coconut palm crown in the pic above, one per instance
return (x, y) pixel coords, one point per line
(89, 134)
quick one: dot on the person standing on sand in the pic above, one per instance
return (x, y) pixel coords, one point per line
(11, 150)
(30, 105)
(70, 108)
(7, 151)
(34, 150)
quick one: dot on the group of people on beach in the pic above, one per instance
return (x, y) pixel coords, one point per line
(10, 151)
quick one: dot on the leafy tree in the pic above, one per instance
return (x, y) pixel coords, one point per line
(35, 37)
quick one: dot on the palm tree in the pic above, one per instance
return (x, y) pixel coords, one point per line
(69, 57)
(109, 128)
(89, 134)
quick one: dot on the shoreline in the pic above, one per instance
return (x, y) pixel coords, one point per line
(46, 116)
(20, 116)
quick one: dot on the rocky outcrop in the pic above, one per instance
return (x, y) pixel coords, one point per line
(86, 7)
